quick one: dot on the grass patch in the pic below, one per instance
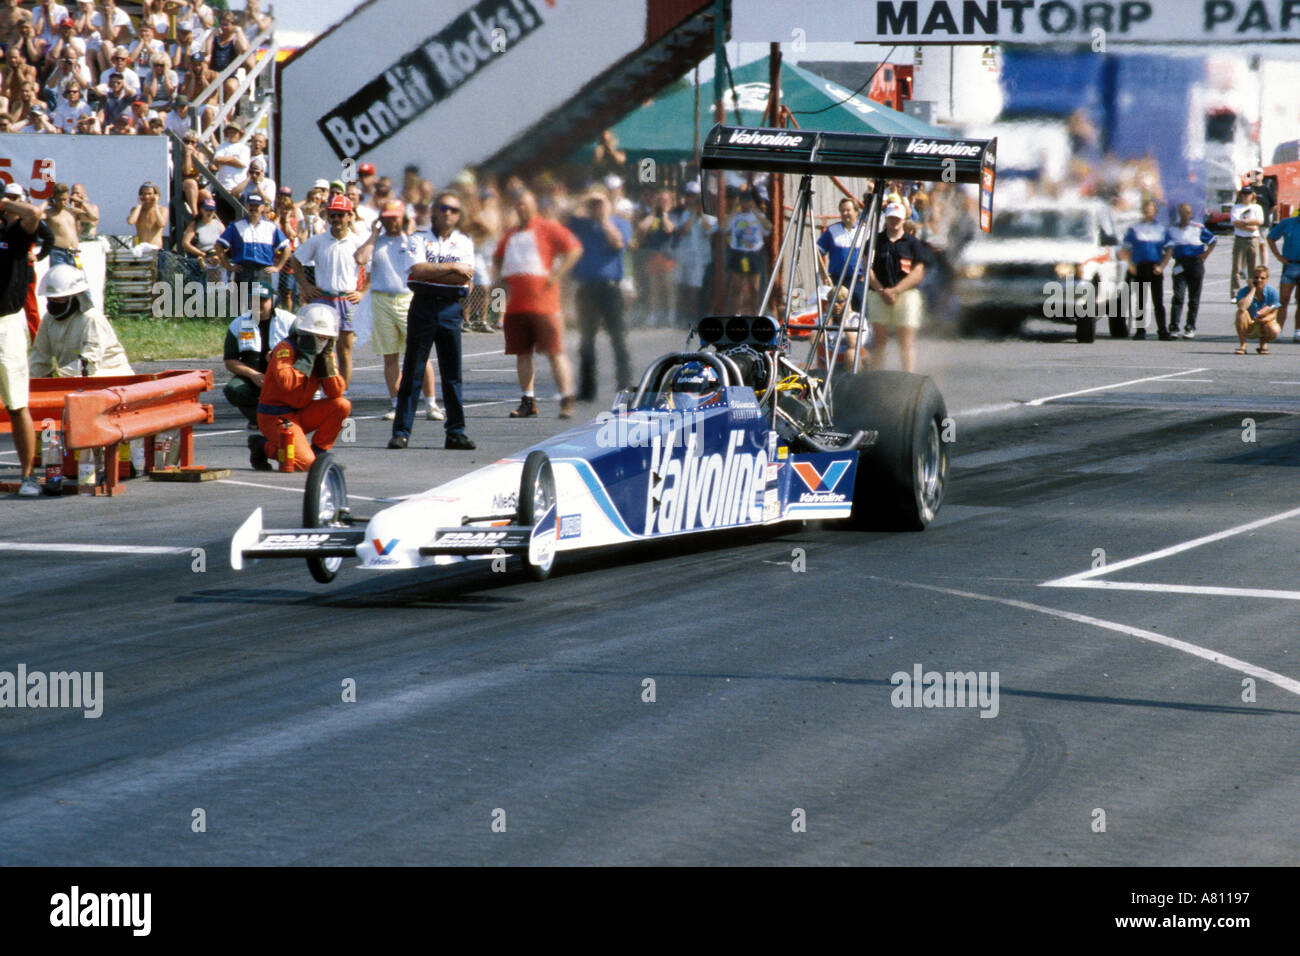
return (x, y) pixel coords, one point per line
(147, 339)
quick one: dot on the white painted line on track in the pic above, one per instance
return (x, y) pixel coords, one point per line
(1278, 680)
(89, 548)
(254, 484)
(1074, 580)
(1102, 388)
(1178, 589)
(986, 409)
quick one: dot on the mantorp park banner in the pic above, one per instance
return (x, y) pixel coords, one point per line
(1018, 21)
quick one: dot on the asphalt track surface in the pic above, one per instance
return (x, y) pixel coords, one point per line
(1120, 686)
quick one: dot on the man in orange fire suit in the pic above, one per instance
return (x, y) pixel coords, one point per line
(297, 367)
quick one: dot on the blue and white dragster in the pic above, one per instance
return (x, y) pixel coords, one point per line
(732, 434)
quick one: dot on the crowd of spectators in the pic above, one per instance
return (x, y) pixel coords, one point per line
(92, 68)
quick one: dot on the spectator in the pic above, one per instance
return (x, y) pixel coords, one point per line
(31, 45)
(655, 233)
(478, 304)
(11, 16)
(141, 115)
(1257, 306)
(226, 45)
(599, 277)
(835, 244)
(253, 248)
(335, 256)
(119, 62)
(894, 300)
(190, 183)
(16, 238)
(114, 27)
(65, 36)
(88, 125)
(149, 219)
(153, 14)
(17, 72)
(179, 52)
(179, 118)
(257, 145)
(1189, 244)
(31, 116)
(198, 79)
(230, 162)
(117, 102)
(434, 321)
(125, 125)
(247, 346)
(694, 252)
(366, 177)
(1287, 230)
(1247, 218)
(532, 259)
(162, 84)
(608, 159)
(389, 259)
(68, 68)
(312, 209)
(63, 224)
(1264, 194)
(142, 54)
(75, 339)
(86, 212)
(254, 21)
(745, 231)
(290, 222)
(1143, 250)
(46, 19)
(200, 239)
(363, 222)
(256, 181)
(72, 109)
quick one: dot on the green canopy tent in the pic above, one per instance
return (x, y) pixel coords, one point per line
(661, 129)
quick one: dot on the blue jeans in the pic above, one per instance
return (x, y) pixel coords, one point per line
(62, 257)
(432, 322)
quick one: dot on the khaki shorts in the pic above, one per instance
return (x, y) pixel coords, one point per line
(903, 314)
(390, 310)
(13, 361)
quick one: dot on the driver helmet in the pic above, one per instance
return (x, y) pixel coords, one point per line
(693, 385)
(66, 290)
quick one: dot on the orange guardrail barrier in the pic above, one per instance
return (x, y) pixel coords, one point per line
(101, 413)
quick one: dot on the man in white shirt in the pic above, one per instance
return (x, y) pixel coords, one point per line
(335, 254)
(71, 109)
(363, 222)
(1247, 247)
(391, 254)
(437, 311)
(232, 157)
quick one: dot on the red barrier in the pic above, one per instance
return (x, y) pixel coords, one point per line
(103, 412)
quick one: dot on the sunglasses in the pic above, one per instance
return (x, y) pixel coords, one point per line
(337, 215)
(442, 207)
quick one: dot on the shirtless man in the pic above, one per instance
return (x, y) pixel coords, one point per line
(11, 14)
(149, 219)
(86, 212)
(63, 223)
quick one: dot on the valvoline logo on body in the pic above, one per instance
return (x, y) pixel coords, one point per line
(382, 548)
(821, 484)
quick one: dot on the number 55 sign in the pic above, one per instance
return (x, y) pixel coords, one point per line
(41, 184)
(111, 167)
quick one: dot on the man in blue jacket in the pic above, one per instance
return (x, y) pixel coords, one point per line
(1144, 249)
(1188, 244)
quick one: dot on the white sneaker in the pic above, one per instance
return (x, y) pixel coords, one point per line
(30, 487)
(389, 415)
(1189, 333)
(434, 414)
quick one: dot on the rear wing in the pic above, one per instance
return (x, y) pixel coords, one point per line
(821, 153)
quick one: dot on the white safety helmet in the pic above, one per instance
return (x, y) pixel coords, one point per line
(65, 284)
(317, 318)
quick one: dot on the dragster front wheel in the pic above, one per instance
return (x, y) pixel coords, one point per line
(325, 500)
(536, 497)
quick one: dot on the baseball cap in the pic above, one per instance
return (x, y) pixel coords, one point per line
(15, 191)
(613, 182)
(340, 204)
(394, 207)
(337, 184)
(366, 169)
(259, 162)
(692, 188)
(320, 184)
(895, 209)
(67, 22)
(208, 204)
(254, 198)
(285, 190)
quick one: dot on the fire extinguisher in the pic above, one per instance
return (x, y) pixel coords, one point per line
(285, 454)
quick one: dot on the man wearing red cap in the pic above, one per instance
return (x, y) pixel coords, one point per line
(335, 254)
(366, 174)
